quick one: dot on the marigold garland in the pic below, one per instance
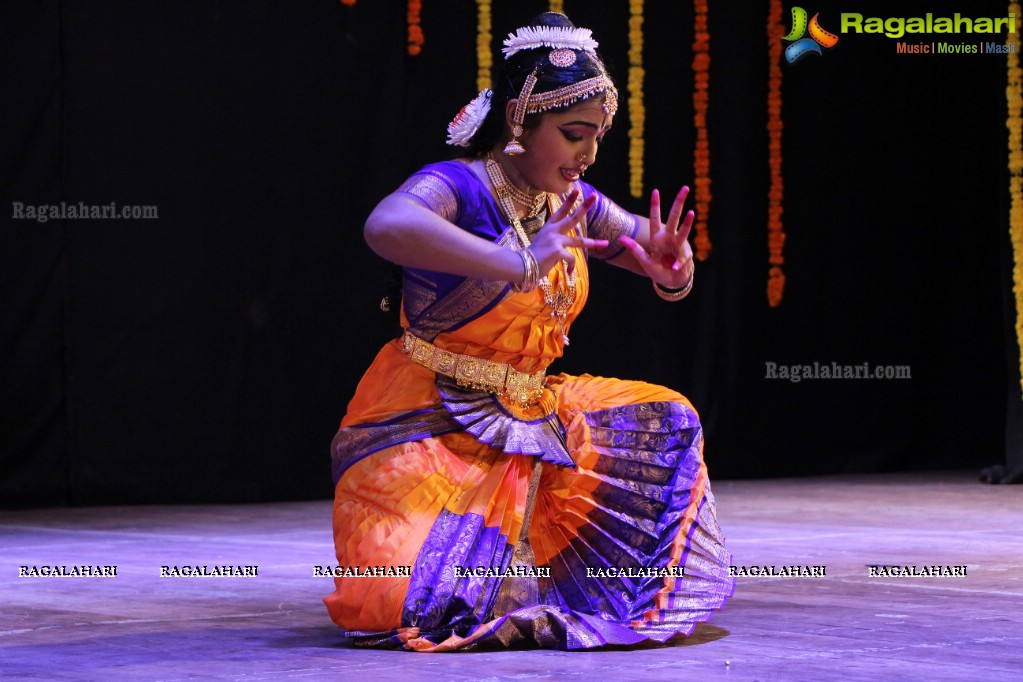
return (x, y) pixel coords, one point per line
(415, 27)
(1014, 122)
(484, 57)
(701, 155)
(557, 6)
(637, 112)
(775, 229)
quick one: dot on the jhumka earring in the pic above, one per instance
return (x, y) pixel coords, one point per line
(514, 147)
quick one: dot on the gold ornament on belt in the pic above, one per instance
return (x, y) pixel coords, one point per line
(521, 388)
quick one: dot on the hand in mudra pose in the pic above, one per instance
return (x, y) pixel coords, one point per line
(668, 258)
(552, 243)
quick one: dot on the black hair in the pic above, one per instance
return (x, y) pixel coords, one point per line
(513, 73)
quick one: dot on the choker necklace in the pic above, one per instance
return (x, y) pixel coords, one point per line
(532, 203)
(558, 301)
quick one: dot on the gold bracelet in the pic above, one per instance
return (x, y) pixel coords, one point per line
(674, 294)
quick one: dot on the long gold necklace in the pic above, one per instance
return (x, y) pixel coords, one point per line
(558, 301)
(502, 187)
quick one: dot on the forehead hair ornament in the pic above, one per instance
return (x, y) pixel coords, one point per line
(562, 57)
(560, 37)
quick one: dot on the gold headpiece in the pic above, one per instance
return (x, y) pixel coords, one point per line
(528, 103)
(570, 94)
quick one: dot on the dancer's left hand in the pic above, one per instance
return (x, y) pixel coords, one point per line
(668, 258)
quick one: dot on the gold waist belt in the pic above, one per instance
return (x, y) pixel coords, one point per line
(495, 377)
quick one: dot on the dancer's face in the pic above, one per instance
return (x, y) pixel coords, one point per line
(561, 147)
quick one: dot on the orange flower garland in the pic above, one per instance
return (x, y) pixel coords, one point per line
(701, 155)
(484, 57)
(1014, 122)
(415, 28)
(775, 230)
(637, 113)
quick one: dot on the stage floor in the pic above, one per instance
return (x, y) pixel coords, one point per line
(844, 625)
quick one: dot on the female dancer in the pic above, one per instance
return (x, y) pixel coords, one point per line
(492, 503)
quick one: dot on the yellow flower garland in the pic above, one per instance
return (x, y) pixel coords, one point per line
(1014, 100)
(415, 28)
(637, 113)
(701, 155)
(775, 229)
(484, 57)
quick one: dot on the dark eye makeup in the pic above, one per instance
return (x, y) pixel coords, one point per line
(575, 137)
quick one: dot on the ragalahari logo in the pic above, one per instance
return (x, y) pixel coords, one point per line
(803, 46)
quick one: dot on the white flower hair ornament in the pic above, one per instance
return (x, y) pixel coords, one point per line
(468, 121)
(558, 37)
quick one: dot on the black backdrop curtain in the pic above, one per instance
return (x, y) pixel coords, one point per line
(208, 354)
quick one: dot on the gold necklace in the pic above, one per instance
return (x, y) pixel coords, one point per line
(558, 301)
(501, 187)
(531, 203)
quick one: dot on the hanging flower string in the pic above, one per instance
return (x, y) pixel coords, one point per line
(557, 6)
(701, 155)
(637, 113)
(484, 57)
(1014, 122)
(415, 28)
(775, 229)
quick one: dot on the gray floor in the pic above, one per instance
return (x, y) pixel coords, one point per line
(845, 625)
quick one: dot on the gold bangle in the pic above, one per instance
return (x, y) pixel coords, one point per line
(674, 294)
(531, 272)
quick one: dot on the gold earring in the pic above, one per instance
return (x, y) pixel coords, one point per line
(514, 147)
